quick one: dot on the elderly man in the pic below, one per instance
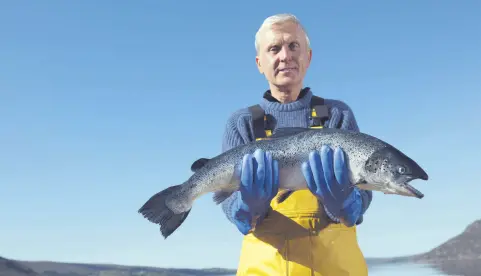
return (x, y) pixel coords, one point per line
(307, 232)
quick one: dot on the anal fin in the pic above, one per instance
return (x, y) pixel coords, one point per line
(220, 196)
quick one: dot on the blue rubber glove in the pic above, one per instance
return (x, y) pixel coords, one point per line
(327, 177)
(259, 176)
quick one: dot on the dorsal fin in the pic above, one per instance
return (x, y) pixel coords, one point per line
(199, 163)
(288, 131)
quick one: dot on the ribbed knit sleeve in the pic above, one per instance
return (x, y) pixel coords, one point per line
(342, 113)
(235, 134)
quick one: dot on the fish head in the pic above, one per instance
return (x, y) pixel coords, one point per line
(388, 170)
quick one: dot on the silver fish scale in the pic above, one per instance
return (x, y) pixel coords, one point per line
(290, 151)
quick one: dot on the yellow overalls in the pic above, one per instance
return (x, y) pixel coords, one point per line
(297, 239)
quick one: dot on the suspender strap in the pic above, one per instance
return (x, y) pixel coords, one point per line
(319, 112)
(259, 122)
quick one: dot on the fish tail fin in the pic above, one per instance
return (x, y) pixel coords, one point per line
(157, 211)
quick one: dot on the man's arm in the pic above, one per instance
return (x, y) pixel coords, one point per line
(342, 117)
(231, 139)
(249, 205)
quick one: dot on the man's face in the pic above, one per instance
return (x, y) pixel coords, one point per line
(283, 55)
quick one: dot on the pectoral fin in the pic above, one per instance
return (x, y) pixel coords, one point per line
(220, 196)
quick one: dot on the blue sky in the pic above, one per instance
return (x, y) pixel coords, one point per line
(103, 104)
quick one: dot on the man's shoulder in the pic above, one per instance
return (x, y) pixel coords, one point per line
(340, 110)
(237, 129)
(239, 123)
(239, 116)
(243, 115)
(335, 103)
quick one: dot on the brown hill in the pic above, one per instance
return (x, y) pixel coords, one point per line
(460, 255)
(14, 268)
(28, 268)
(44, 268)
(465, 246)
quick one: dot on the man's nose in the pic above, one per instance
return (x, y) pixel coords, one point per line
(285, 53)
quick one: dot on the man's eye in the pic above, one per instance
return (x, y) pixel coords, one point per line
(274, 48)
(293, 45)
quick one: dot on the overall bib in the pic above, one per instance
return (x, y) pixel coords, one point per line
(296, 237)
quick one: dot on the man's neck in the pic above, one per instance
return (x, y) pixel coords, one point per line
(286, 94)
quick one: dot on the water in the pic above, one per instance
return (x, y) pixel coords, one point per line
(403, 269)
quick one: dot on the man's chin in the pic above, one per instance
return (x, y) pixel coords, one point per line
(286, 82)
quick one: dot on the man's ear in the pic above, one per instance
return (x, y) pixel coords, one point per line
(259, 67)
(309, 57)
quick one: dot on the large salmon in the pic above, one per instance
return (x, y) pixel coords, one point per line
(373, 165)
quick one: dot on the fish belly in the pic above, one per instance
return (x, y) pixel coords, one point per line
(292, 178)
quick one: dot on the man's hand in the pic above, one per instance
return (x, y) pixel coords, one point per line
(259, 176)
(327, 177)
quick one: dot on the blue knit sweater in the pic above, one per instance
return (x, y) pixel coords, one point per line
(239, 130)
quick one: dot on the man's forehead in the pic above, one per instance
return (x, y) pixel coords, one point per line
(286, 32)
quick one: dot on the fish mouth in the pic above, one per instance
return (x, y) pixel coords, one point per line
(421, 175)
(413, 191)
(403, 188)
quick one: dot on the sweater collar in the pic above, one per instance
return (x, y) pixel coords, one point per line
(303, 100)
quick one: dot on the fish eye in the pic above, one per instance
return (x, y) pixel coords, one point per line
(401, 169)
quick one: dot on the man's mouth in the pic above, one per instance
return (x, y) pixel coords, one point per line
(287, 69)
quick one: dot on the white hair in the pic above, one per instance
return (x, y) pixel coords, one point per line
(279, 19)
